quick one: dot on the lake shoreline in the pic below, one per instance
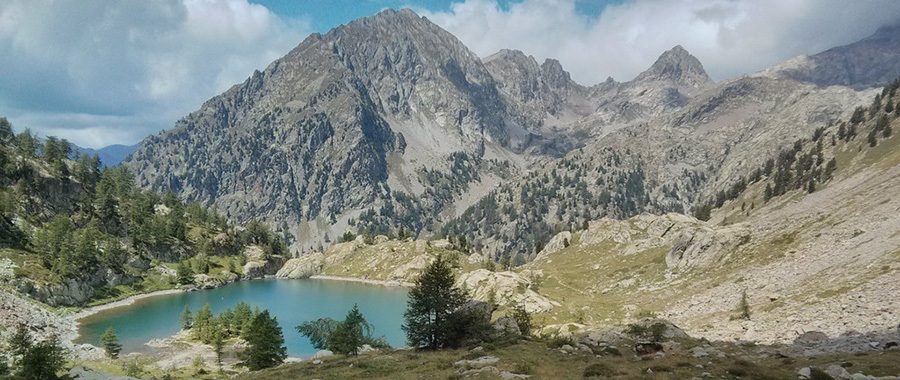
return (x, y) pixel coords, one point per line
(73, 320)
(387, 283)
(72, 328)
(91, 310)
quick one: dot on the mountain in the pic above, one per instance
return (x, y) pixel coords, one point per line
(390, 125)
(378, 112)
(871, 62)
(110, 155)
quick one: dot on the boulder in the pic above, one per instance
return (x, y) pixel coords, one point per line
(811, 338)
(139, 262)
(506, 289)
(411, 270)
(479, 309)
(507, 325)
(258, 265)
(205, 281)
(837, 372)
(366, 348)
(480, 362)
(322, 354)
(647, 348)
(302, 267)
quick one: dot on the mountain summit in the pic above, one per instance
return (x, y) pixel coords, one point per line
(677, 65)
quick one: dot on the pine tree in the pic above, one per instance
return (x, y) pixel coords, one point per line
(349, 334)
(241, 318)
(20, 342)
(6, 132)
(187, 319)
(318, 331)
(859, 115)
(871, 139)
(265, 343)
(431, 303)
(887, 131)
(184, 274)
(26, 143)
(829, 169)
(203, 324)
(43, 360)
(218, 343)
(110, 343)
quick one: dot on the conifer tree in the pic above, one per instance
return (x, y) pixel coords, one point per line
(110, 343)
(187, 319)
(43, 360)
(265, 343)
(431, 303)
(183, 273)
(203, 324)
(349, 334)
(6, 132)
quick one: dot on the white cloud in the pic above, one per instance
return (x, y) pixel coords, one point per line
(100, 72)
(730, 37)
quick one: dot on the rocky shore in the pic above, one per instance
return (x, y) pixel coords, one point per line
(390, 283)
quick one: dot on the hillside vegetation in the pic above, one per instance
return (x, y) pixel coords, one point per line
(74, 232)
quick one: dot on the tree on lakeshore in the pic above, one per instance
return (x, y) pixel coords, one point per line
(342, 337)
(203, 324)
(318, 331)
(110, 343)
(350, 334)
(183, 273)
(187, 319)
(265, 343)
(428, 317)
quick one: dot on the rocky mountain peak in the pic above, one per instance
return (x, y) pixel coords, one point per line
(679, 66)
(511, 55)
(554, 75)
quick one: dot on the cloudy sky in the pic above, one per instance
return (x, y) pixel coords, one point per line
(99, 72)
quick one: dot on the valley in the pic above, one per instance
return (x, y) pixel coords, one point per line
(668, 226)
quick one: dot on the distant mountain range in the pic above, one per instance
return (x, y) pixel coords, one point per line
(391, 124)
(111, 155)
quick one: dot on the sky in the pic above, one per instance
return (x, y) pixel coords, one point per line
(101, 72)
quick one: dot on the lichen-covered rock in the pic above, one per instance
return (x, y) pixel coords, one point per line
(302, 267)
(507, 325)
(504, 288)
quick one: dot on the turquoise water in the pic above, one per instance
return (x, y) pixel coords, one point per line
(291, 301)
